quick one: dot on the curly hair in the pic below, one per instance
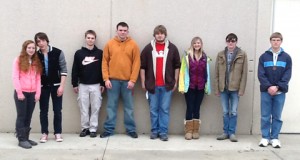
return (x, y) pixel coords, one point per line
(24, 59)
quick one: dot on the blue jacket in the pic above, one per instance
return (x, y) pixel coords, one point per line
(270, 75)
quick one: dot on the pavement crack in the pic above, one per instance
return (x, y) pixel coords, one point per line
(105, 148)
(277, 155)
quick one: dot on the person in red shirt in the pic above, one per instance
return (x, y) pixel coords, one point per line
(160, 63)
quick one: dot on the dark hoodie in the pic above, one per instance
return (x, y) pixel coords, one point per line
(87, 67)
(270, 75)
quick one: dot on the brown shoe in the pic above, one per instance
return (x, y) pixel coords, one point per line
(188, 129)
(196, 129)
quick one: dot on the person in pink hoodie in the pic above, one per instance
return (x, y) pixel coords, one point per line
(27, 70)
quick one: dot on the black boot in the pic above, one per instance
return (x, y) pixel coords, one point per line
(21, 134)
(33, 143)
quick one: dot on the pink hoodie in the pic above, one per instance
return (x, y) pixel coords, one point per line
(26, 81)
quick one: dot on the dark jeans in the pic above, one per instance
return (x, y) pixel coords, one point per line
(24, 109)
(193, 99)
(44, 108)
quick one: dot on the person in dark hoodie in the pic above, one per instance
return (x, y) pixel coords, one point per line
(88, 83)
(274, 74)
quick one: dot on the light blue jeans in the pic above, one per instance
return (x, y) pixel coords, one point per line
(271, 109)
(229, 101)
(119, 87)
(160, 110)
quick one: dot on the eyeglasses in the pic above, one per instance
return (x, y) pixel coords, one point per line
(232, 41)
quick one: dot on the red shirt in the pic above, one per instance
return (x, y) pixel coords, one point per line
(159, 64)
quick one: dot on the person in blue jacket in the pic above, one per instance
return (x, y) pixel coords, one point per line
(274, 74)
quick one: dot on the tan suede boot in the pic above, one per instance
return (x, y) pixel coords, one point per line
(188, 129)
(196, 129)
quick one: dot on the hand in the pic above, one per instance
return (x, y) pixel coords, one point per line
(272, 90)
(241, 94)
(108, 84)
(130, 85)
(102, 89)
(75, 89)
(37, 99)
(144, 87)
(174, 88)
(21, 97)
(60, 91)
(217, 94)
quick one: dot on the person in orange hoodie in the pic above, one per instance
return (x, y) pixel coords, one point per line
(120, 70)
(27, 70)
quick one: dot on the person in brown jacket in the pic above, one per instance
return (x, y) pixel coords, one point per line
(160, 63)
(230, 83)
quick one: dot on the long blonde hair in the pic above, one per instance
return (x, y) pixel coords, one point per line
(191, 50)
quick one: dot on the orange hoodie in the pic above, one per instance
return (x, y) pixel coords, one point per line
(121, 60)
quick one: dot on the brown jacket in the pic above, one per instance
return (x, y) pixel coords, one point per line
(171, 63)
(237, 73)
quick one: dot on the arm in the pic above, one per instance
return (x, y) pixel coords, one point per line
(284, 81)
(101, 76)
(261, 73)
(75, 74)
(217, 90)
(176, 79)
(143, 68)
(63, 73)
(75, 71)
(38, 87)
(177, 65)
(16, 79)
(60, 89)
(136, 64)
(105, 72)
(244, 76)
(142, 75)
(105, 62)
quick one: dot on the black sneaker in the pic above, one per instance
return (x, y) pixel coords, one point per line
(93, 134)
(133, 134)
(84, 132)
(163, 137)
(153, 136)
(105, 134)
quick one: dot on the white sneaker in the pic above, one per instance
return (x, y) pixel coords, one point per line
(275, 143)
(58, 138)
(44, 138)
(264, 142)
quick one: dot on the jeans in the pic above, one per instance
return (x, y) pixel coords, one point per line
(193, 99)
(229, 101)
(271, 109)
(160, 110)
(119, 87)
(44, 108)
(24, 109)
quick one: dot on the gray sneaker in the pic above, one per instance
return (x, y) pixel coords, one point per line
(222, 137)
(233, 138)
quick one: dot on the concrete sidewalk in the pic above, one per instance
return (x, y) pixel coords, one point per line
(122, 147)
